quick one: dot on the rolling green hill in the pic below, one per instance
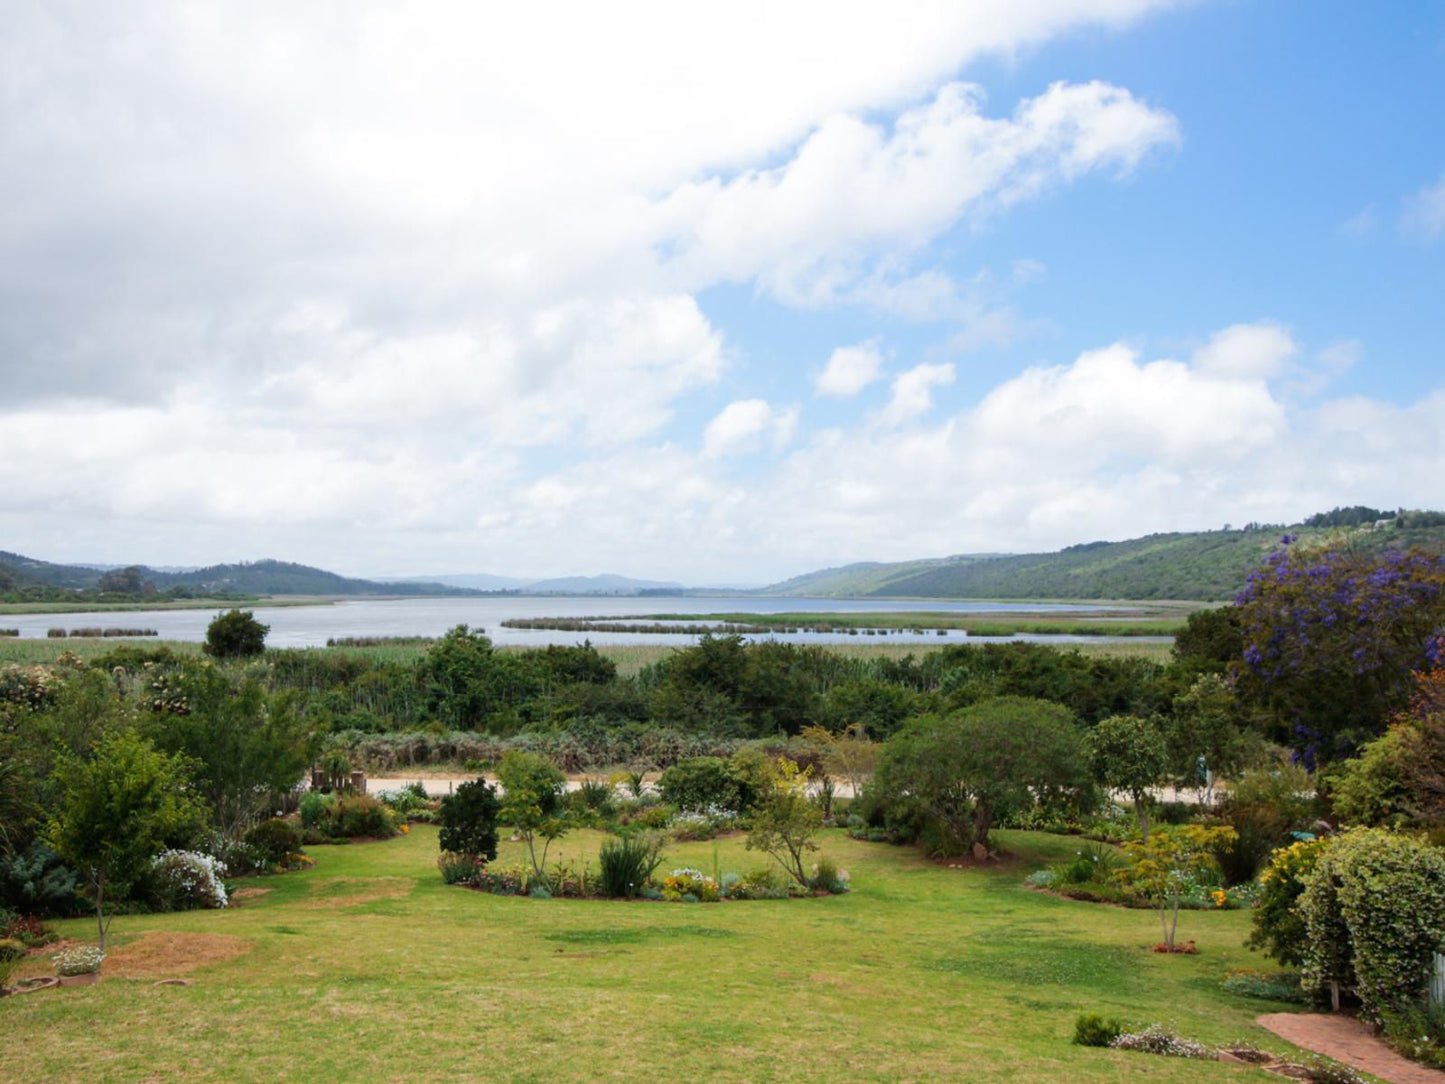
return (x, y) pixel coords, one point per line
(1206, 565)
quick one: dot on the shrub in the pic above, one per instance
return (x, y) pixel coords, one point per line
(315, 809)
(457, 868)
(235, 634)
(595, 794)
(682, 883)
(763, 883)
(1157, 1039)
(36, 881)
(1267, 986)
(1091, 1029)
(1374, 909)
(275, 839)
(29, 931)
(1263, 806)
(80, 960)
(468, 819)
(1418, 1032)
(1042, 878)
(827, 877)
(501, 882)
(627, 864)
(187, 880)
(1279, 928)
(357, 815)
(700, 782)
(11, 948)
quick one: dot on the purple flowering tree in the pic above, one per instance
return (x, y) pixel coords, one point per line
(1332, 637)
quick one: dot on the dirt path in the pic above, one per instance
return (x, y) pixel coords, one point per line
(1346, 1039)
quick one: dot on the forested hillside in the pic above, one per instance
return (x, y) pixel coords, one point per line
(1204, 565)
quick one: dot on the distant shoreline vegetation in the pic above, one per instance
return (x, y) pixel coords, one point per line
(1143, 623)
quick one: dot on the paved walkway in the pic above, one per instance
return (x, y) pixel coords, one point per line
(1346, 1039)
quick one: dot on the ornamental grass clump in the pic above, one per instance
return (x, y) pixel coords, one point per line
(627, 864)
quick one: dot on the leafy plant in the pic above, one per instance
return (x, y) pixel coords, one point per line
(1091, 1029)
(235, 634)
(79, 960)
(276, 838)
(1164, 868)
(532, 802)
(468, 819)
(627, 864)
(189, 879)
(1279, 928)
(456, 868)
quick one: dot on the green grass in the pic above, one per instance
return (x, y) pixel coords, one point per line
(368, 968)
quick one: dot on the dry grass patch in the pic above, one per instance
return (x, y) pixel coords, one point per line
(160, 954)
(247, 894)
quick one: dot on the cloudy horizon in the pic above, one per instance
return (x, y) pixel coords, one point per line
(716, 296)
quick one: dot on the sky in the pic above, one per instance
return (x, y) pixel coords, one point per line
(716, 293)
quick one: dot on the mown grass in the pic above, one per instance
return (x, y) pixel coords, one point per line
(368, 968)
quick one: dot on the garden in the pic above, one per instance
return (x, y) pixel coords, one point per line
(749, 862)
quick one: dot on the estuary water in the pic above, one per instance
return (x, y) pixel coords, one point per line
(312, 626)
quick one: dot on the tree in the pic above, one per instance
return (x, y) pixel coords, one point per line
(849, 755)
(1128, 753)
(1331, 637)
(787, 820)
(126, 581)
(468, 820)
(964, 770)
(1204, 738)
(471, 686)
(1168, 862)
(244, 745)
(117, 810)
(235, 634)
(532, 802)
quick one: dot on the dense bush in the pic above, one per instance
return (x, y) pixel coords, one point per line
(275, 838)
(35, 881)
(235, 634)
(187, 880)
(702, 783)
(1091, 1029)
(1374, 910)
(361, 816)
(1263, 807)
(468, 819)
(1279, 928)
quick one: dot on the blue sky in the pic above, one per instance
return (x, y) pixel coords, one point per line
(716, 296)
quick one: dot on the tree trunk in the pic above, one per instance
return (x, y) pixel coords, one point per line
(1142, 812)
(100, 908)
(982, 822)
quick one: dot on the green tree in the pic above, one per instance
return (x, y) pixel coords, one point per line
(468, 820)
(786, 821)
(532, 792)
(471, 686)
(1129, 753)
(235, 634)
(965, 770)
(117, 810)
(1204, 737)
(244, 745)
(1168, 862)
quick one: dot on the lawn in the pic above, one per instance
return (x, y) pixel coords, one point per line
(368, 968)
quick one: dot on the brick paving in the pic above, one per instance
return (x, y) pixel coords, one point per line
(1347, 1040)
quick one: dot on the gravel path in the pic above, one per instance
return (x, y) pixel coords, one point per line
(1346, 1039)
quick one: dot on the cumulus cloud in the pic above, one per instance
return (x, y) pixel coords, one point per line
(1424, 215)
(850, 369)
(1246, 350)
(913, 392)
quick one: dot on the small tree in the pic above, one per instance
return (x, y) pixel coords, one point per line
(787, 820)
(116, 811)
(235, 634)
(1167, 863)
(532, 802)
(1129, 753)
(468, 820)
(849, 754)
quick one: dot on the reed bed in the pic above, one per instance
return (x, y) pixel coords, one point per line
(96, 633)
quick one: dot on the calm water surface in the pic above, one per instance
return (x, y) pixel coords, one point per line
(312, 626)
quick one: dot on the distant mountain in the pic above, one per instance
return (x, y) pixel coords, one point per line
(1205, 565)
(599, 585)
(266, 577)
(479, 581)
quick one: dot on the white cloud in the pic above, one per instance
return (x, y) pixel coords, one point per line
(913, 392)
(850, 369)
(1246, 350)
(803, 229)
(735, 426)
(1424, 215)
